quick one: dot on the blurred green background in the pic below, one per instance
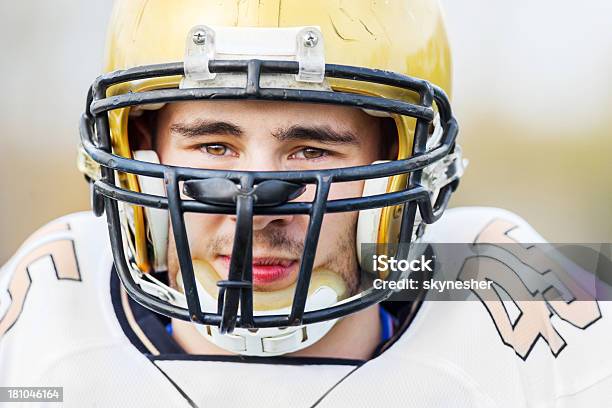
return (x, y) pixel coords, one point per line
(532, 92)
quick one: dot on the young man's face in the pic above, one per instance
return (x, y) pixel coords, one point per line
(278, 136)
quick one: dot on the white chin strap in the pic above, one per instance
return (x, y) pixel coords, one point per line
(264, 342)
(271, 341)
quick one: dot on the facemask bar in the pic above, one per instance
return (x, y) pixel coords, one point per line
(237, 289)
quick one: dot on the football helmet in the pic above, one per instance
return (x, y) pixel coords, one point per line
(389, 58)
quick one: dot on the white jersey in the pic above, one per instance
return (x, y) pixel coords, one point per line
(64, 321)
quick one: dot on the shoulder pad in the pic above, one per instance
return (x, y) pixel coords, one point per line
(472, 224)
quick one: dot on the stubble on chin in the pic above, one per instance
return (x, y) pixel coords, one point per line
(343, 260)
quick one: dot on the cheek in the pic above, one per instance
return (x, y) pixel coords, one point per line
(339, 228)
(336, 249)
(352, 189)
(336, 226)
(335, 229)
(200, 228)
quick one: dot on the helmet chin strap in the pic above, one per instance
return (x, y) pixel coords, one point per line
(327, 289)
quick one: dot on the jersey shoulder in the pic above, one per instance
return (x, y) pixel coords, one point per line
(60, 248)
(539, 320)
(54, 291)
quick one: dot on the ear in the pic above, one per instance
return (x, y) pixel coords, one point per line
(141, 130)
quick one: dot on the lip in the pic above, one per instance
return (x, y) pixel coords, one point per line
(267, 270)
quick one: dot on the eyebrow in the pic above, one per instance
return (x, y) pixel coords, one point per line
(321, 134)
(204, 127)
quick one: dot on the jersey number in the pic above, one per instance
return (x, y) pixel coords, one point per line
(535, 308)
(60, 253)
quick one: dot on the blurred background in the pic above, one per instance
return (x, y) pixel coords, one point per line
(532, 92)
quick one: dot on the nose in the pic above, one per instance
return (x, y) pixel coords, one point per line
(271, 192)
(260, 222)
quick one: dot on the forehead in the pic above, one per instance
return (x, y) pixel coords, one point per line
(268, 113)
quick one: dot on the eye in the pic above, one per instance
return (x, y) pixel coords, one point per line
(216, 149)
(309, 153)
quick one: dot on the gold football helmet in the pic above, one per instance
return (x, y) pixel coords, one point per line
(389, 58)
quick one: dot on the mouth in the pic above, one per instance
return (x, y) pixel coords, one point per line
(268, 270)
(273, 296)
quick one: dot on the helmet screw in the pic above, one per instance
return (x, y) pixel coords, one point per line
(199, 37)
(310, 39)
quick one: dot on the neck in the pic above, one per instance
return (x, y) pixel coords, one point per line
(353, 337)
